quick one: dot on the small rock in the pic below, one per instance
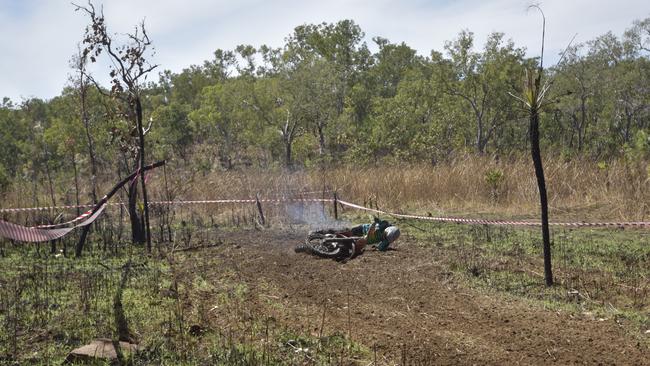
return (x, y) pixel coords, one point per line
(99, 349)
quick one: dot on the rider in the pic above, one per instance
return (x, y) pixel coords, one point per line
(380, 234)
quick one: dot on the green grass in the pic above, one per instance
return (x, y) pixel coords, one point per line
(182, 314)
(50, 305)
(603, 272)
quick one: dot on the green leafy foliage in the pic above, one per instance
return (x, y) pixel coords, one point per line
(324, 98)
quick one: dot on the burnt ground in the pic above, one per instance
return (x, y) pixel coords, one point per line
(404, 307)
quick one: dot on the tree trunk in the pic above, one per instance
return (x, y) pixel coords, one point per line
(287, 152)
(76, 193)
(137, 231)
(89, 140)
(583, 123)
(76, 183)
(50, 183)
(628, 125)
(541, 184)
(321, 139)
(138, 111)
(132, 199)
(52, 197)
(105, 199)
(480, 128)
(480, 147)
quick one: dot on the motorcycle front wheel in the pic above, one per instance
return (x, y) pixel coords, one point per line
(314, 244)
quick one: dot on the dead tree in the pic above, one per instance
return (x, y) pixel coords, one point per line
(128, 70)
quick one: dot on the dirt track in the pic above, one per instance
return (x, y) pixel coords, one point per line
(404, 306)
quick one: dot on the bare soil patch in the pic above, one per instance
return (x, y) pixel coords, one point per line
(405, 307)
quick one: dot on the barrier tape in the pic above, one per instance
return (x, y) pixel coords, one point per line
(36, 234)
(640, 224)
(23, 209)
(78, 218)
(55, 231)
(267, 200)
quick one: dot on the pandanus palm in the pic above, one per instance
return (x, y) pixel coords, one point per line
(532, 99)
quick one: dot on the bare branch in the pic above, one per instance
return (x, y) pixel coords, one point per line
(519, 99)
(541, 59)
(144, 132)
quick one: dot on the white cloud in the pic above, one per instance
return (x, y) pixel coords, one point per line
(39, 37)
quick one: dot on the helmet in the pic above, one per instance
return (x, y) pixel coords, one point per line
(391, 233)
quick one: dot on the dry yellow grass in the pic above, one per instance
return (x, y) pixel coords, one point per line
(470, 185)
(578, 190)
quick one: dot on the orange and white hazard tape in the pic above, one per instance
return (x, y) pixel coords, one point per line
(177, 202)
(38, 234)
(639, 224)
(46, 208)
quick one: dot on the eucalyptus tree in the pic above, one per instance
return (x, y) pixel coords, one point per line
(7, 145)
(315, 89)
(13, 130)
(632, 82)
(280, 95)
(65, 134)
(637, 37)
(604, 93)
(632, 96)
(174, 135)
(221, 122)
(82, 84)
(481, 81)
(339, 43)
(391, 63)
(405, 119)
(276, 110)
(411, 125)
(339, 61)
(578, 81)
(186, 86)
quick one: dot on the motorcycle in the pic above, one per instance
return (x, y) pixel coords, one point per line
(329, 244)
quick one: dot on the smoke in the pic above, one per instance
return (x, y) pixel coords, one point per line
(314, 215)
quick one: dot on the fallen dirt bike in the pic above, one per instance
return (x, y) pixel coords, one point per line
(329, 244)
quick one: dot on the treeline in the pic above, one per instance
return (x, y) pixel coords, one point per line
(325, 98)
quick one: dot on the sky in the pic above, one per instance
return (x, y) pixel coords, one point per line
(39, 37)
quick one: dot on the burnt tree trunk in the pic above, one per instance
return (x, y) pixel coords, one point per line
(138, 114)
(52, 197)
(137, 230)
(541, 184)
(105, 199)
(76, 182)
